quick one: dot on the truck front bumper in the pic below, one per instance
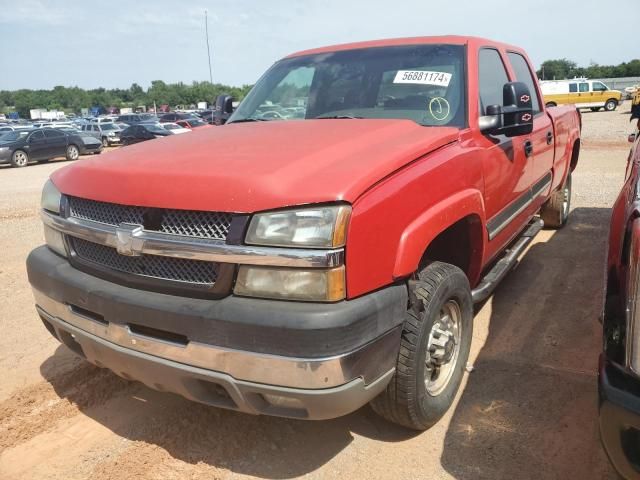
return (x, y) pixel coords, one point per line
(619, 394)
(313, 361)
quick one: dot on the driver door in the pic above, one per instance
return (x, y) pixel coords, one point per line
(36, 146)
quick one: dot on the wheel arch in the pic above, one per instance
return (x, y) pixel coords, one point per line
(450, 232)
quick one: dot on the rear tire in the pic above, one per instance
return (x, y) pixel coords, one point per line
(19, 159)
(434, 349)
(555, 212)
(72, 152)
(611, 105)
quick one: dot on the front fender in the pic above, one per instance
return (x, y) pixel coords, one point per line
(419, 234)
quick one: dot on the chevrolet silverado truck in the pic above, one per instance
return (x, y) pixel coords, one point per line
(323, 249)
(619, 367)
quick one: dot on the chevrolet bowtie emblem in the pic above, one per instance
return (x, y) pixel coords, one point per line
(127, 239)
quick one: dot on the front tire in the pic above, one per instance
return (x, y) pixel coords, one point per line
(72, 152)
(105, 142)
(434, 349)
(550, 104)
(595, 109)
(19, 159)
(555, 212)
(611, 105)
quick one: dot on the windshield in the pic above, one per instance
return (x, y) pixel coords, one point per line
(423, 83)
(13, 136)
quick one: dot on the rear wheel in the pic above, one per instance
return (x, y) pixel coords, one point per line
(611, 105)
(19, 159)
(72, 152)
(434, 348)
(555, 212)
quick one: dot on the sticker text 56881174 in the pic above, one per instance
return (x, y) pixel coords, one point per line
(423, 77)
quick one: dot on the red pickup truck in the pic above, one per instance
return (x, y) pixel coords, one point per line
(324, 248)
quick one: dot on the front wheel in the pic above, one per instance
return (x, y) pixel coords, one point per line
(72, 152)
(595, 109)
(434, 349)
(19, 159)
(611, 105)
(550, 104)
(555, 212)
(105, 142)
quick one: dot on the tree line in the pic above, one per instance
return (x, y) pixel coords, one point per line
(563, 68)
(73, 99)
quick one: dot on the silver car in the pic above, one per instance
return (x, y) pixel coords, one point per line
(107, 133)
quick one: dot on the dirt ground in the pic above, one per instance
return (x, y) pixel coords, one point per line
(527, 410)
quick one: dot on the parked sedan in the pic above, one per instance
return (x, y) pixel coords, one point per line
(191, 123)
(173, 117)
(174, 128)
(142, 132)
(21, 147)
(619, 369)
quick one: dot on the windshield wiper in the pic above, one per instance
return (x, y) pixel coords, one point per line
(338, 117)
(249, 119)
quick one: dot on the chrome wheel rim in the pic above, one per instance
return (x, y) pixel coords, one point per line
(20, 159)
(443, 348)
(73, 153)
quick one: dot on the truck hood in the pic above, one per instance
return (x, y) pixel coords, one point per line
(248, 167)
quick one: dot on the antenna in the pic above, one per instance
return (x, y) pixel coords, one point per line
(206, 29)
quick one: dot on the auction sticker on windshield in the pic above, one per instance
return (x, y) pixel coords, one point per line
(423, 77)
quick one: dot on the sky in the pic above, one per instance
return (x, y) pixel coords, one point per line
(114, 43)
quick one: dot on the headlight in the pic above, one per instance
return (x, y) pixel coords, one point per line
(111, 134)
(310, 227)
(312, 285)
(51, 198)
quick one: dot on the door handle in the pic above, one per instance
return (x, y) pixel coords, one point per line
(549, 138)
(528, 148)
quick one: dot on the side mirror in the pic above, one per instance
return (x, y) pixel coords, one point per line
(514, 117)
(223, 110)
(631, 138)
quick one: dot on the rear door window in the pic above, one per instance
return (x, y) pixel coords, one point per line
(584, 87)
(523, 74)
(573, 88)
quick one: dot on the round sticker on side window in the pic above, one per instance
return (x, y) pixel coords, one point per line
(423, 77)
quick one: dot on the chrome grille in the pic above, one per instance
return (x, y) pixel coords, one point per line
(194, 272)
(192, 223)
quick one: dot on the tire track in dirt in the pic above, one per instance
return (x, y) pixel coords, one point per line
(38, 408)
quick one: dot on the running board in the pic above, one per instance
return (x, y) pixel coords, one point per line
(510, 259)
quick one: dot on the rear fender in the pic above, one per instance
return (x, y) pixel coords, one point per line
(419, 234)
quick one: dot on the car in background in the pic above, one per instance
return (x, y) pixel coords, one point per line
(142, 132)
(107, 133)
(192, 123)
(175, 128)
(619, 365)
(174, 117)
(135, 118)
(42, 144)
(13, 128)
